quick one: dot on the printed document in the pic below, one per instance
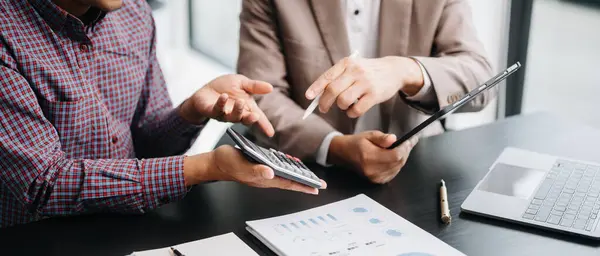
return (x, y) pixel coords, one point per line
(355, 226)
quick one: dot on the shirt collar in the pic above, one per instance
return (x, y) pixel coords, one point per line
(56, 17)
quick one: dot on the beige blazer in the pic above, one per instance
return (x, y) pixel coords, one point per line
(289, 43)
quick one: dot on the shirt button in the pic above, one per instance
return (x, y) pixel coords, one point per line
(115, 139)
(356, 12)
(83, 47)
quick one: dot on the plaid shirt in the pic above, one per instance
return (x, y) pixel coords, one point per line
(79, 110)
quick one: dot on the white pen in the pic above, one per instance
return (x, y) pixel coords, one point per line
(313, 105)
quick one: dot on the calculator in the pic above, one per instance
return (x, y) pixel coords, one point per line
(283, 165)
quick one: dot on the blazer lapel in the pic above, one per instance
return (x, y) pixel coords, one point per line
(394, 27)
(331, 22)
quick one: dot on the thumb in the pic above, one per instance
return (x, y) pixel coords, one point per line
(381, 139)
(263, 172)
(256, 87)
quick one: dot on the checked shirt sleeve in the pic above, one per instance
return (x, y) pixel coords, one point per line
(35, 171)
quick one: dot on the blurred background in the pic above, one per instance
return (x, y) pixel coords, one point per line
(557, 41)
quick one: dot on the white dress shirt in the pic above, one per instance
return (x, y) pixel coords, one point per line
(362, 26)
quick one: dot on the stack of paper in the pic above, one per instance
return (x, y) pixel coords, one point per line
(355, 226)
(224, 245)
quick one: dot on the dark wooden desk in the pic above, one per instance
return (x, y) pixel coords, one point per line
(461, 158)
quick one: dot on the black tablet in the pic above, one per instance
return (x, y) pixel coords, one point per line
(454, 106)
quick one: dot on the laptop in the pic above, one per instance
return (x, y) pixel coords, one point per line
(545, 191)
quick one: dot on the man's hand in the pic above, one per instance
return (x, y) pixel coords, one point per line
(367, 153)
(229, 164)
(228, 98)
(357, 84)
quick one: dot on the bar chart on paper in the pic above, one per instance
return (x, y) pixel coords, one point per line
(355, 226)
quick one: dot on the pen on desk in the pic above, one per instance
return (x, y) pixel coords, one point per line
(313, 105)
(176, 252)
(446, 218)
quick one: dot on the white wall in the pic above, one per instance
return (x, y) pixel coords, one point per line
(562, 61)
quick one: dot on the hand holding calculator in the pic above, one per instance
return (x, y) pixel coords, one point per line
(283, 165)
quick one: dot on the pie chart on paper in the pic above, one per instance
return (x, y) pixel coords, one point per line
(393, 233)
(360, 210)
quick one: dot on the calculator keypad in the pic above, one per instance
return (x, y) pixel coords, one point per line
(292, 166)
(290, 163)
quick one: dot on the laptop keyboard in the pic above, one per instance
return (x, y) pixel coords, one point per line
(568, 196)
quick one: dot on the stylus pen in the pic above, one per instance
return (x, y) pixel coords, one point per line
(446, 218)
(313, 105)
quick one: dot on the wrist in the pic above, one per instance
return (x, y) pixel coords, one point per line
(197, 169)
(412, 79)
(335, 154)
(188, 112)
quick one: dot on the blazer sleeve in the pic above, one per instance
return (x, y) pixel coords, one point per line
(261, 57)
(458, 62)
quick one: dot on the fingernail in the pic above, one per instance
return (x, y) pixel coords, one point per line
(310, 94)
(267, 175)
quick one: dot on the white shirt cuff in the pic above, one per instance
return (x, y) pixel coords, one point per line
(425, 94)
(324, 148)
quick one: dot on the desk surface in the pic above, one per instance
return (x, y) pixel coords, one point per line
(461, 158)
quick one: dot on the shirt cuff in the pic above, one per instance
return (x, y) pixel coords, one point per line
(178, 125)
(426, 93)
(324, 148)
(162, 180)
